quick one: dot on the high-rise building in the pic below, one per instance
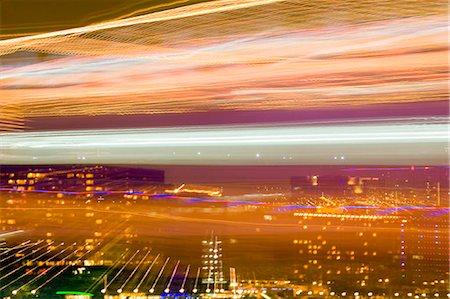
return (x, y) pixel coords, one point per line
(425, 249)
(212, 266)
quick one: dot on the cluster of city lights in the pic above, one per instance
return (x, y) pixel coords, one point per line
(344, 216)
(358, 294)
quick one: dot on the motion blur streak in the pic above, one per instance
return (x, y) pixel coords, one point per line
(233, 55)
(419, 143)
(183, 12)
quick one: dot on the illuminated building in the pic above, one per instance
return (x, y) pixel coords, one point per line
(212, 267)
(79, 178)
(327, 258)
(326, 185)
(425, 250)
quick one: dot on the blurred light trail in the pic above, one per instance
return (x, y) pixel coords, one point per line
(167, 290)
(47, 270)
(107, 271)
(389, 211)
(27, 255)
(136, 289)
(393, 168)
(34, 291)
(31, 270)
(439, 212)
(406, 144)
(344, 216)
(132, 273)
(152, 290)
(29, 246)
(11, 233)
(176, 13)
(120, 271)
(195, 289)
(186, 273)
(15, 247)
(232, 55)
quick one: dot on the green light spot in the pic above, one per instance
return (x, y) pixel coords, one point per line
(74, 293)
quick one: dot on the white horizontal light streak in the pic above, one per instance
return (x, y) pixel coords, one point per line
(183, 145)
(232, 136)
(245, 140)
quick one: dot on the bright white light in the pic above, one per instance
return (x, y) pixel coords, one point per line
(406, 144)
